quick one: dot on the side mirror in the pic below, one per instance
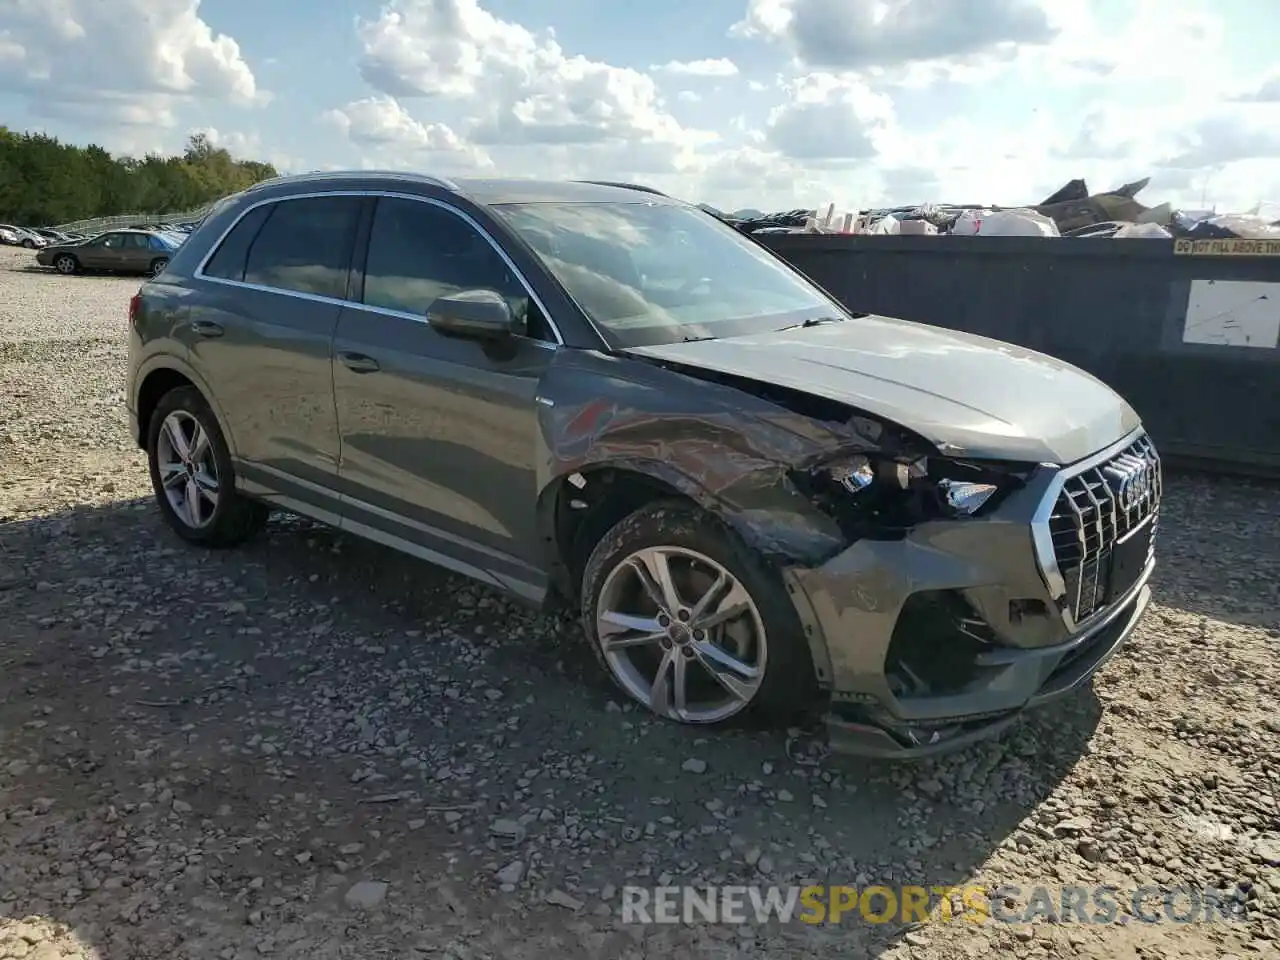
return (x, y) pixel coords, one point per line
(474, 314)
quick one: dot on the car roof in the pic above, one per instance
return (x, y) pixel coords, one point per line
(482, 190)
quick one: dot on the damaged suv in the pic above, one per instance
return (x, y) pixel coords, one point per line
(587, 392)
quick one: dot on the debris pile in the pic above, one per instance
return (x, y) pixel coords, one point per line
(1071, 211)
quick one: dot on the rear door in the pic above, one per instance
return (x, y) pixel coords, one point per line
(261, 334)
(135, 252)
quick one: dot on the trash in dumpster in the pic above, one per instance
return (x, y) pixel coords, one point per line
(1070, 211)
(1004, 223)
(1233, 226)
(1079, 211)
(1144, 231)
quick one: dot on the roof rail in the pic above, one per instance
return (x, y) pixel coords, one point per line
(625, 186)
(332, 174)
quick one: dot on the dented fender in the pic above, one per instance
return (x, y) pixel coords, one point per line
(725, 449)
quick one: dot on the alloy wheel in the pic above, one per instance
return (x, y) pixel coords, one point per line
(65, 265)
(188, 470)
(681, 635)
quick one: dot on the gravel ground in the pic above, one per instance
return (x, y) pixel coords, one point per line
(314, 747)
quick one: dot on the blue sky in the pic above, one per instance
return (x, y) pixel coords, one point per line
(767, 103)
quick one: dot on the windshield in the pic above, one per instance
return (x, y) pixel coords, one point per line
(650, 273)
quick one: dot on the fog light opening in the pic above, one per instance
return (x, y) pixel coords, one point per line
(934, 644)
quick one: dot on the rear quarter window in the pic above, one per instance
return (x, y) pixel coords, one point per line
(228, 260)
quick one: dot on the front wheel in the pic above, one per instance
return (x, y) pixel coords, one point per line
(693, 624)
(158, 266)
(192, 476)
(29, 244)
(66, 264)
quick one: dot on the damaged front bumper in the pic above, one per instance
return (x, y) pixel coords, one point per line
(941, 638)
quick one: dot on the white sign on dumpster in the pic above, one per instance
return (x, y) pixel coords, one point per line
(1233, 313)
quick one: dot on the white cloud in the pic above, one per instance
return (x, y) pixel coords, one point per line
(860, 34)
(829, 119)
(784, 103)
(719, 67)
(382, 125)
(125, 62)
(527, 89)
(1265, 89)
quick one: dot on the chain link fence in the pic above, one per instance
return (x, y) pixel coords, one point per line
(102, 224)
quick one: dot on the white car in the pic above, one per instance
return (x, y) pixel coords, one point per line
(21, 237)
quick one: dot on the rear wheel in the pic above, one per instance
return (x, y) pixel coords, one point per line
(690, 622)
(66, 264)
(192, 476)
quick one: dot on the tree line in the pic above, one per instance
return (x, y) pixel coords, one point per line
(45, 182)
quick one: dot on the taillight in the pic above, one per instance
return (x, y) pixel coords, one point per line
(135, 305)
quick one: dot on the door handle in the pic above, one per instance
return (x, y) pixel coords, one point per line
(207, 328)
(358, 362)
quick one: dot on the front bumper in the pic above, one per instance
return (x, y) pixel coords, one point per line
(936, 640)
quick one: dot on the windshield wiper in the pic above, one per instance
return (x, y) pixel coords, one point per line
(813, 322)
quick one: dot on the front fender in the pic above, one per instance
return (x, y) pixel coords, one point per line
(726, 450)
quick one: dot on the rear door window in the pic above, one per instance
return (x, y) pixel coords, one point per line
(305, 246)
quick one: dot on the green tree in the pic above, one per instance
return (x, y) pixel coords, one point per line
(44, 181)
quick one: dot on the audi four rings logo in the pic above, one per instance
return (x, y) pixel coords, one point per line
(1132, 480)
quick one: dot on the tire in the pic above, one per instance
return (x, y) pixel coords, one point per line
(29, 244)
(158, 265)
(66, 264)
(699, 547)
(224, 519)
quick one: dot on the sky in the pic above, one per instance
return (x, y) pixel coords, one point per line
(771, 104)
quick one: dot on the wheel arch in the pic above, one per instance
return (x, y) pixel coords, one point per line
(578, 507)
(157, 378)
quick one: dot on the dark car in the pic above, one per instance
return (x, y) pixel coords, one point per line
(120, 251)
(595, 394)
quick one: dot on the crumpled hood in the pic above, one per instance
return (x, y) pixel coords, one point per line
(969, 395)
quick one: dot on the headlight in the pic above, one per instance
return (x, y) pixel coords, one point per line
(964, 498)
(858, 472)
(913, 490)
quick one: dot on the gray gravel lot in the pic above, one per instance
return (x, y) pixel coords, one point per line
(314, 747)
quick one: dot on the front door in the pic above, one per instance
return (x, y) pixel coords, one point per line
(440, 435)
(102, 253)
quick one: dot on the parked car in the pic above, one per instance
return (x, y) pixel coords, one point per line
(35, 238)
(757, 501)
(20, 237)
(119, 251)
(51, 236)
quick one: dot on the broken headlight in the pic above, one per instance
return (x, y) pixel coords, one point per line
(860, 471)
(896, 492)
